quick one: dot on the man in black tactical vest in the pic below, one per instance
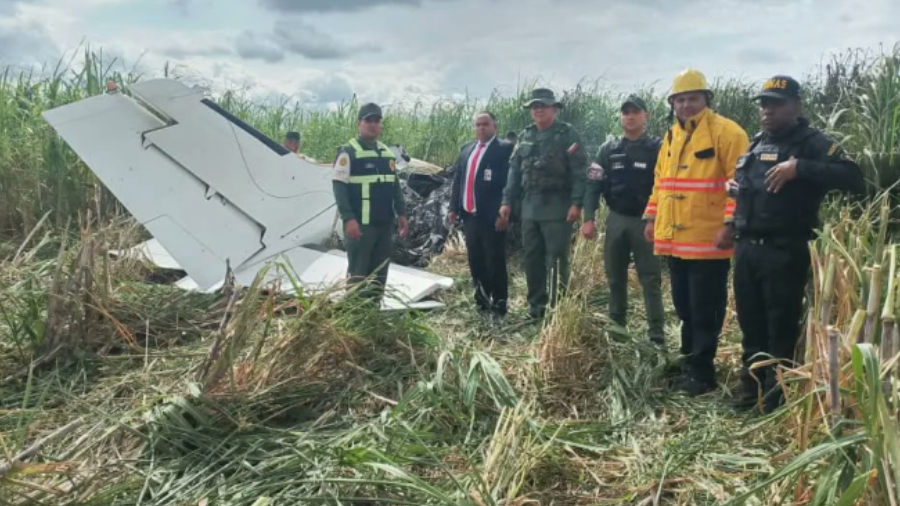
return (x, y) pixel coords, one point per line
(623, 174)
(779, 185)
(369, 198)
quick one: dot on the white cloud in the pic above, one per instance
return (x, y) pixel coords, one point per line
(306, 6)
(25, 45)
(395, 51)
(253, 46)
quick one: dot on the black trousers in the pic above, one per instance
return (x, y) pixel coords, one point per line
(700, 295)
(770, 279)
(487, 262)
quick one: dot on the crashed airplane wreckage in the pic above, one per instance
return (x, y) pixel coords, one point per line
(216, 193)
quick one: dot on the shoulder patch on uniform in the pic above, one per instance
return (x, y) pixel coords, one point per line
(341, 170)
(832, 149)
(595, 172)
(573, 148)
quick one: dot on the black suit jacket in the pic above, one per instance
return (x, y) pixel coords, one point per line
(488, 193)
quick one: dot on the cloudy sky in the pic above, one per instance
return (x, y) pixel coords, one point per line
(392, 51)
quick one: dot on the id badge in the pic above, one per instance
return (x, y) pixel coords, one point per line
(487, 174)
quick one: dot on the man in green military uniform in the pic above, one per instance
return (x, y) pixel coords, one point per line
(623, 174)
(369, 198)
(548, 166)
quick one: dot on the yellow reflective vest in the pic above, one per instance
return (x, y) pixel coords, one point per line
(689, 203)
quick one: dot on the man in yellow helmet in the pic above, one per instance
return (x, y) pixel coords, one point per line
(689, 220)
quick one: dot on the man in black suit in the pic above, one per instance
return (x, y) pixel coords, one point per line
(479, 178)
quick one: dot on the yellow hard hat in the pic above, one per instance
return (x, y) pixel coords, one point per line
(689, 80)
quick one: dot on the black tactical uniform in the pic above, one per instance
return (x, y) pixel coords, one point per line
(772, 230)
(623, 173)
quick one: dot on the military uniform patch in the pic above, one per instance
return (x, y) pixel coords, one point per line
(573, 148)
(768, 157)
(341, 170)
(833, 149)
(595, 172)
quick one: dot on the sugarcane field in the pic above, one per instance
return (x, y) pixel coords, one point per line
(614, 291)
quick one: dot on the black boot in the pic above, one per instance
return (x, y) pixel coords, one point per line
(774, 395)
(749, 390)
(696, 382)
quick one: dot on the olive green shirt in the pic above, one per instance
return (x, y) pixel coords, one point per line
(342, 196)
(544, 205)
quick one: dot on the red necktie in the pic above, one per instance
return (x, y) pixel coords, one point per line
(470, 184)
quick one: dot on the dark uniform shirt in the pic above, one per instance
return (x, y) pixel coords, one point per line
(623, 174)
(343, 170)
(792, 212)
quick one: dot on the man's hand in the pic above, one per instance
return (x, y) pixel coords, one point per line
(725, 238)
(404, 226)
(574, 214)
(351, 230)
(501, 224)
(452, 217)
(780, 174)
(504, 211)
(731, 188)
(589, 230)
(648, 231)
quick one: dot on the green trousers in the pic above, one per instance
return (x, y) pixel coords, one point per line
(546, 244)
(624, 239)
(370, 255)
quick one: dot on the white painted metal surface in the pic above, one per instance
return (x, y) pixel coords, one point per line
(213, 191)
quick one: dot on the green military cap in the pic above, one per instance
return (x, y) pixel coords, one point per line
(370, 109)
(544, 96)
(635, 101)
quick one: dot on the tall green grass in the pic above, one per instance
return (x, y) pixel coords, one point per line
(854, 96)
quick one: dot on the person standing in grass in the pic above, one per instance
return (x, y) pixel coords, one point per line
(369, 199)
(478, 181)
(689, 218)
(548, 166)
(780, 184)
(623, 174)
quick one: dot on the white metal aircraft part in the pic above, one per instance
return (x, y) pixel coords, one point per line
(211, 190)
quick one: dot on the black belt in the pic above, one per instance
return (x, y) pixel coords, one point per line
(762, 240)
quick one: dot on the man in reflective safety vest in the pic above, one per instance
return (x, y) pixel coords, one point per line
(369, 198)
